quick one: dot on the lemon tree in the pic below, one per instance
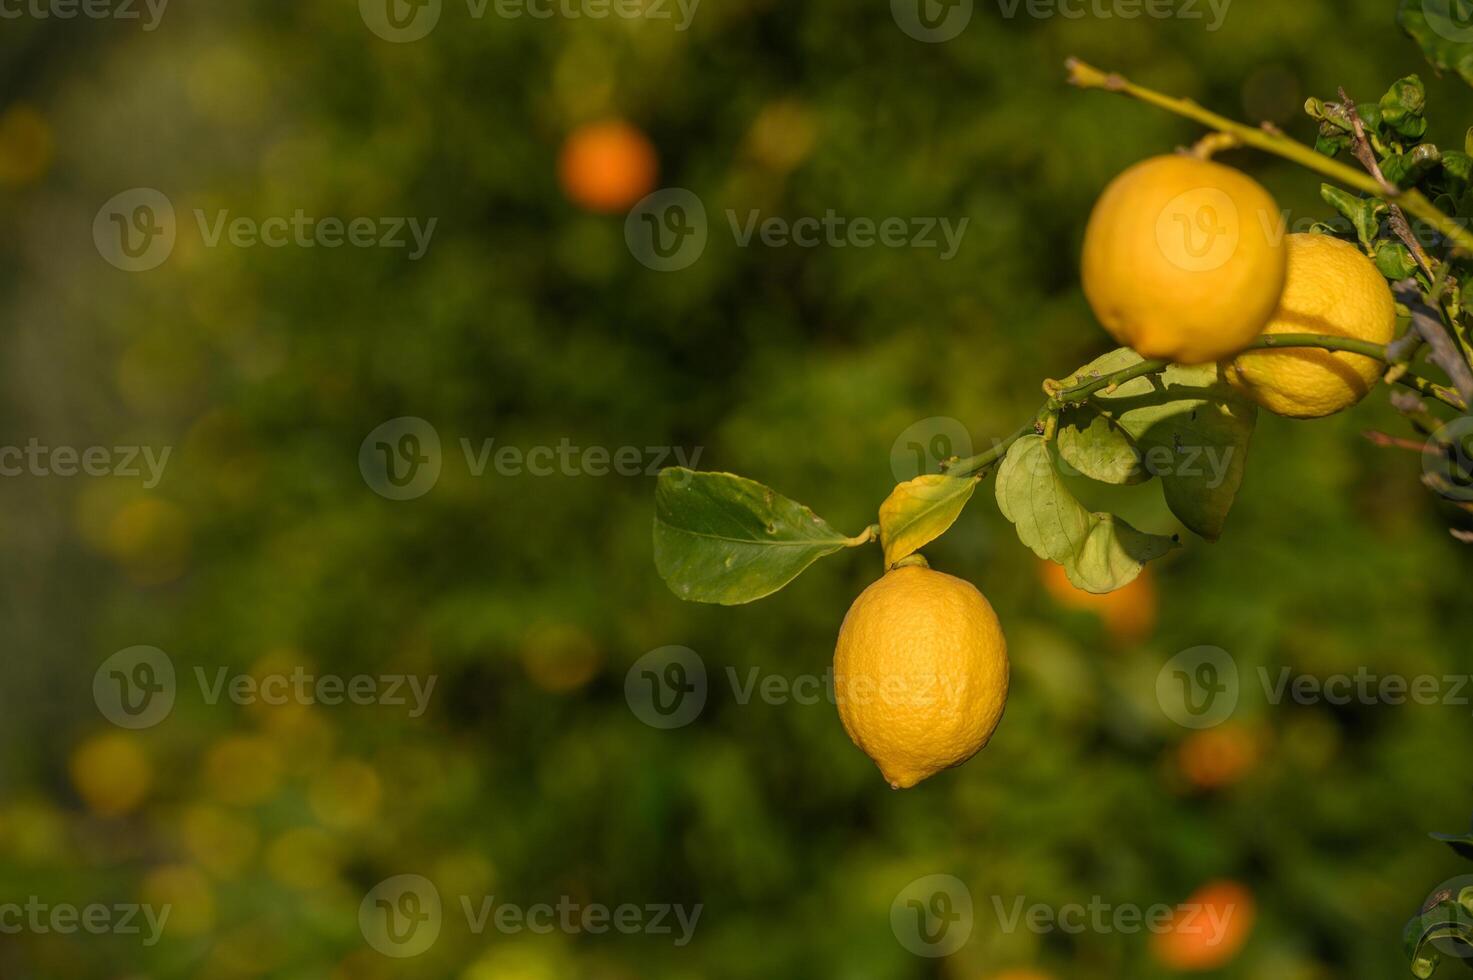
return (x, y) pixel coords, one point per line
(1222, 314)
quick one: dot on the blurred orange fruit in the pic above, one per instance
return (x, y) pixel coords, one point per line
(1209, 927)
(560, 658)
(607, 166)
(1216, 757)
(111, 773)
(1128, 614)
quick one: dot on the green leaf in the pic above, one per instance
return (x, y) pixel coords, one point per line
(1462, 844)
(1457, 168)
(1445, 925)
(1444, 30)
(1402, 107)
(919, 511)
(1395, 261)
(1098, 447)
(1099, 552)
(1364, 213)
(726, 539)
(1186, 426)
(1406, 170)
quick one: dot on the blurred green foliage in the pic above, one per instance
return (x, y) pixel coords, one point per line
(529, 598)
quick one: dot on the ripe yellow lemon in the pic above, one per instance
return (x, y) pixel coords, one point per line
(1332, 289)
(1184, 259)
(920, 673)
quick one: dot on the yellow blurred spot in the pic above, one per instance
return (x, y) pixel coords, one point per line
(111, 773)
(221, 842)
(32, 831)
(346, 795)
(25, 146)
(559, 658)
(305, 858)
(465, 872)
(187, 893)
(150, 538)
(523, 961)
(243, 770)
(225, 81)
(783, 135)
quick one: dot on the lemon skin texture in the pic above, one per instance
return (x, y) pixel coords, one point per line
(920, 673)
(1184, 259)
(1332, 289)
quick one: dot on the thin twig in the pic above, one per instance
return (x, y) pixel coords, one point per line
(1428, 323)
(1366, 154)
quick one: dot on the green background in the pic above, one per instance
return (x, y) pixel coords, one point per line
(530, 598)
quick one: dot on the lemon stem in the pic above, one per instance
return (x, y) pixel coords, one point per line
(1080, 390)
(1271, 140)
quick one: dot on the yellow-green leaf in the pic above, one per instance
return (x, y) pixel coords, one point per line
(921, 510)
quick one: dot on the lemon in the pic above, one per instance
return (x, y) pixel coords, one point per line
(1184, 259)
(1332, 289)
(920, 673)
